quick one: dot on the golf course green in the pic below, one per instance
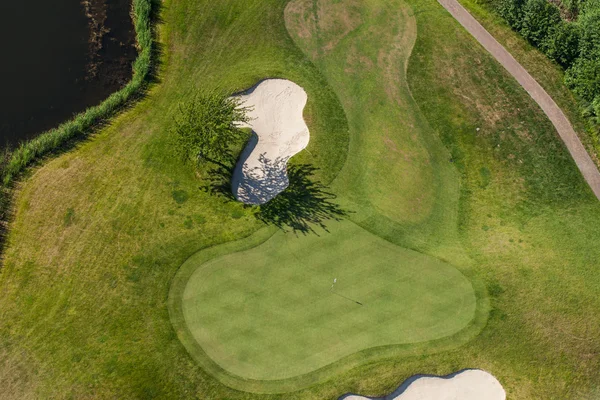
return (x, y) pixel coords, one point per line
(286, 317)
(284, 320)
(468, 235)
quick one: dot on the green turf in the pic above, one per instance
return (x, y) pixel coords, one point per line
(411, 204)
(100, 232)
(283, 319)
(398, 178)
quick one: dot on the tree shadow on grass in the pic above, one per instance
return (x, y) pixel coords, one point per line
(303, 206)
(218, 180)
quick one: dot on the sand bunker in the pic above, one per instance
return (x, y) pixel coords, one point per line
(472, 384)
(279, 133)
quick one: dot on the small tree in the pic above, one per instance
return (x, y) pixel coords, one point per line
(562, 45)
(207, 126)
(512, 12)
(539, 19)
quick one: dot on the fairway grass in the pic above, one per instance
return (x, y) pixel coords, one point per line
(271, 336)
(270, 313)
(100, 232)
(398, 179)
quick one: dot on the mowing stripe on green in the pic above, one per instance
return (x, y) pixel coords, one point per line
(270, 312)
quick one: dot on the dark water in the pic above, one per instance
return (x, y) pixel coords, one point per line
(49, 71)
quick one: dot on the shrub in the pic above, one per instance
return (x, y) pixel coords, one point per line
(562, 45)
(207, 126)
(590, 34)
(512, 12)
(584, 78)
(571, 7)
(539, 19)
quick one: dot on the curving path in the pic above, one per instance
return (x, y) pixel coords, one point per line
(557, 117)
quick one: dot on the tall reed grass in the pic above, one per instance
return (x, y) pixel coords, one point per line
(82, 125)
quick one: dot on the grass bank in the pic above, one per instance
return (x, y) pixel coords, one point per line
(548, 73)
(14, 163)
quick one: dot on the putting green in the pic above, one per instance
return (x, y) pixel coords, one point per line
(268, 313)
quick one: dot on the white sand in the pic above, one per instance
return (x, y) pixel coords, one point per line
(472, 384)
(280, 133)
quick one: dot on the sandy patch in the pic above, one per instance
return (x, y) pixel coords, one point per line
(279, 133)
(472, 384)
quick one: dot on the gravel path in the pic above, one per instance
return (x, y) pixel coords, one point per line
(557, 117)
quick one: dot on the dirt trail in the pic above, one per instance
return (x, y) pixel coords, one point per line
(557, 117)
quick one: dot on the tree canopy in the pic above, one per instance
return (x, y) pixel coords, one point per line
(563, 44)
(207, 125)
(540, 18)
(575, 45)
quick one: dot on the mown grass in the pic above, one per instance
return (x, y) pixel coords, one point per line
(369, 77)
(83, 309)
(362, 48)
(387, 301)
(133, 229)
(522, 201)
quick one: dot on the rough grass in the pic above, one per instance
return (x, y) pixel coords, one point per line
(83, 305)
(549, 74)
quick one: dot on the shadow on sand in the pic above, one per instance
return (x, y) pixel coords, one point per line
(302, 206)
(405, 385)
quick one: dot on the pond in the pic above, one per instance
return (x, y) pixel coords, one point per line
(60, 57)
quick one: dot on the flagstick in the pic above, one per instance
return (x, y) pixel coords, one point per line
(341, 295)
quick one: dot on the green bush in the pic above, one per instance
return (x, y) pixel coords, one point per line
(571, 7)
(590, 33)
(512, 12)
(540, 18)
(562, 45)
(573, 45)
(584, 78)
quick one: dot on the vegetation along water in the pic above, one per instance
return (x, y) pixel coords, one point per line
(60, 58)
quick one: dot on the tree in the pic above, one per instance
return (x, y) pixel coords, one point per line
(584, 78)
(512, 12)
(562, 45)
(590, 32)
(208, 125)
(539, 19)
(596, 108)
